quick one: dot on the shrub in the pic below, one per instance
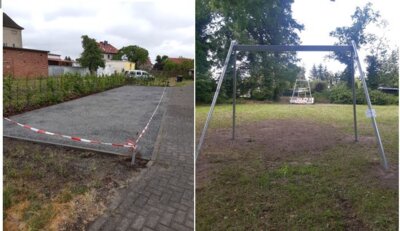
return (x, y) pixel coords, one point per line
(204, 89)
(340, 94)
(7, 88)
(262, 94)
(321, 97)
(380, 98)
(344, 95)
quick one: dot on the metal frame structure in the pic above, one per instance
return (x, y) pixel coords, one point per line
(308, 89)
(234, 48)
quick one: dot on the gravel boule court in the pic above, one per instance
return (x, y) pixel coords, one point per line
(115, 116)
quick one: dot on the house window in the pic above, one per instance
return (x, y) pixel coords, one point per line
(13, 44)
(109, 56)
(4, 44)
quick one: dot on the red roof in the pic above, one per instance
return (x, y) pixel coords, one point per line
(107, 48)
(179, 60)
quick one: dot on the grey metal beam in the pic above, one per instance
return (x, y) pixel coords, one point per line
(221, 78)
(234, 95)
(374, 125)
(353, 86)
(292, 48)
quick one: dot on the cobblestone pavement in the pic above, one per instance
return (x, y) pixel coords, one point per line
(161, 198)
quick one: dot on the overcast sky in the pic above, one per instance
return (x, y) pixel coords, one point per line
(162, 27)
(323, 17)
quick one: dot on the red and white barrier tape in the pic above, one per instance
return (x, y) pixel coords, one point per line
(129, 144)
(151, 117)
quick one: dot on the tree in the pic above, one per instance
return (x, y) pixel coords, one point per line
(181, 68)
(383, 70)
(314, 73)
(373, 70)
(205, 84)
(320, 72)
(91, 56)
(389, 73)
(160, 62)
(170, 66)
(134, 54)
(251, 22)
(361, 18)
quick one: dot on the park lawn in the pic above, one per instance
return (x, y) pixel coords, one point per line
(341, 187)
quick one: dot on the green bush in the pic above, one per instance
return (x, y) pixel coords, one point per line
(380, 98)
(360, 96)
(20, 94)
(321, 97)
(343, 95)
(340, 94)
(7, 89)
(262, 94)
(204, 89)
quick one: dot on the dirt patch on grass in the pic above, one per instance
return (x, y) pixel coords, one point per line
(279, 140)
(50, 187)
(387, 178)
(281, 137)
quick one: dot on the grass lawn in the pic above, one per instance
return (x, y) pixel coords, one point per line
(55, 188)
(296, 167)
(185, 82)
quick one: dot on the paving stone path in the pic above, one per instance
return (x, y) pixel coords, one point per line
(161, 198)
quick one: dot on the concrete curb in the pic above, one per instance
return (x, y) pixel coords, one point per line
(66, 146)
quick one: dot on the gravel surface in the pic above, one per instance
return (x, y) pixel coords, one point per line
(112, 116)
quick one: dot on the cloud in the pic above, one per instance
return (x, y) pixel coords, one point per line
(162, 27)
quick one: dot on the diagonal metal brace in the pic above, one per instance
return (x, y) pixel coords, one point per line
(373, 120)
(221, 78)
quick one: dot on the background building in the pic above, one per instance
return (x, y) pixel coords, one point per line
(20, 62)
(108, 50)
(12, 33)
(24, 63)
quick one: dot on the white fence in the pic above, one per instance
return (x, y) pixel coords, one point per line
(60, 70)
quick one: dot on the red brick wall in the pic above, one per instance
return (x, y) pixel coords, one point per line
(23, 63)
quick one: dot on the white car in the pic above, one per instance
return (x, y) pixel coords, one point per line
(140, 74)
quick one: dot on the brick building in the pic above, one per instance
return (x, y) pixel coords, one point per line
(21, 62)
(18, 61)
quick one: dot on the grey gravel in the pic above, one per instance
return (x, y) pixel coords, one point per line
(112, 116)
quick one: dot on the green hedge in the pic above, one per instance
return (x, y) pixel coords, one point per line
(343, 95)
(27, 93)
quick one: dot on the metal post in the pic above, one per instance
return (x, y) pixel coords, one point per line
(309, 88)
(374, 125)
(294, 89)
(214, 101)
(353, 86)
(133, 158)
(234, 96)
